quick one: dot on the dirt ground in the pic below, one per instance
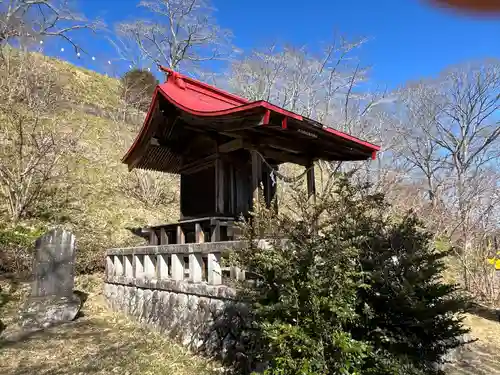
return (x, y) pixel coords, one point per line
(102, 342)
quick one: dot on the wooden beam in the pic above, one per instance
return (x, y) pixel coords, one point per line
(267, 150)
(198, 164)
(180, 235)
(215, 235)
(232, 192)
(233, 145)
(163, 237)
(219, 186)
(199, 233)
(153, 238)
(282, 156)
(298, 145)
(244, 123)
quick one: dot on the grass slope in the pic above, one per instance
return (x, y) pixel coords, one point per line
(483, 356)
(95, 197)
(104, 342)
(100, 342)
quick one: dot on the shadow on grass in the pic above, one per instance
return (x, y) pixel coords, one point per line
(91, 346)
(485, 312)
(23, 337)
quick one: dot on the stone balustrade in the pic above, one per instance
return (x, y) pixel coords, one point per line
(178, 289)
(170, 266)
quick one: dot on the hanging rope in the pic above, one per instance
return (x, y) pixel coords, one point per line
(289, 180)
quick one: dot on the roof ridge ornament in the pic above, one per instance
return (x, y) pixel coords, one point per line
(177, 77)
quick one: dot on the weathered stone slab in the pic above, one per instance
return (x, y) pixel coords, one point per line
(39, 313)
(204, 248)
(54, 264)
(178, 286)
(48, 311)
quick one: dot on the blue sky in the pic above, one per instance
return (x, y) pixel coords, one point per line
(408, 38)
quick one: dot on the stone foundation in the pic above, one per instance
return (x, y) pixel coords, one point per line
(184, 317)
(199, 322)
(179, 291)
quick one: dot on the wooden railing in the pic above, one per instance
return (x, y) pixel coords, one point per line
(192, 263)
(204, 229)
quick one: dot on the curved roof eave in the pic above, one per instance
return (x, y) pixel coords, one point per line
(205, 101)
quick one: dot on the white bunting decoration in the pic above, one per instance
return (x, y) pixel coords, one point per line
(131, 66)
(273, 179)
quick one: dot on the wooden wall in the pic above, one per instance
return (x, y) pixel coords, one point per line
(225, 188)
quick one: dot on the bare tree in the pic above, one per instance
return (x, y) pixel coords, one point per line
(450, 136)
(153, 189)
(22, 21)
(180, 34)
(33, 142)
(419, 112)
(324, 87)
(315, 86)
(128, 50)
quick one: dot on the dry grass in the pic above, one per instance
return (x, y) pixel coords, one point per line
(483, 356)
(103, 342)
(100, 342)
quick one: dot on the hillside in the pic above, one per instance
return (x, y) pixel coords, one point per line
(97, 197)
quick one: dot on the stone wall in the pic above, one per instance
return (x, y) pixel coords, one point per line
(180, 291)
(185, 312)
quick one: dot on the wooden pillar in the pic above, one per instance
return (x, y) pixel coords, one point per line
(272, 186)
(232, 190)
(256, 176)
(153, 238)
(180, 235)
(311, 183)
(163, 237)
(219, 186)
(215, 235)
(199, 233)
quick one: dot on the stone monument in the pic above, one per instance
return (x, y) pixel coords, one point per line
(52, 299)
(54, 264)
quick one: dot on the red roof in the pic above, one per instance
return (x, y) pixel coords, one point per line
(202, 101)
